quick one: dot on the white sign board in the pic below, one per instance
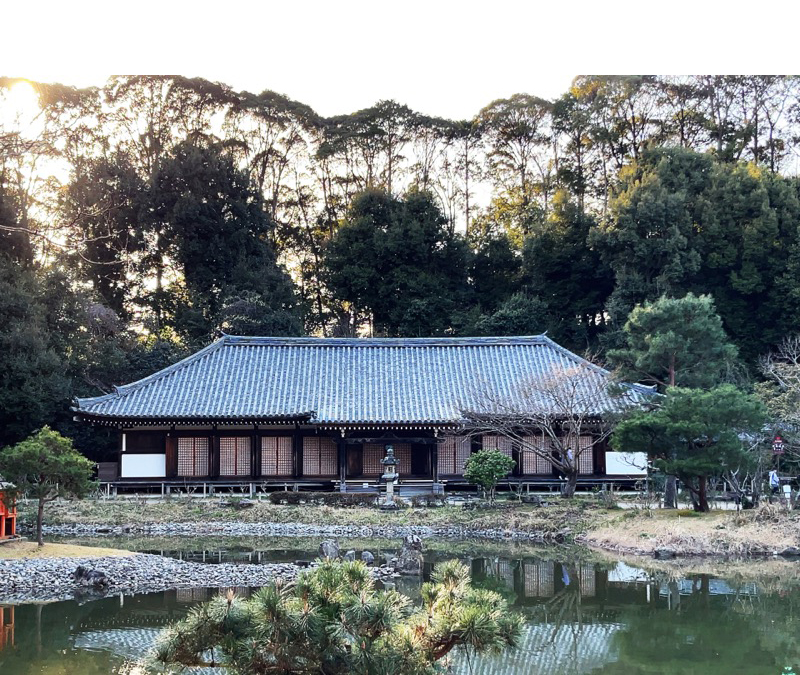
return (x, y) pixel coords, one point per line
(144, 466)
(626, 464)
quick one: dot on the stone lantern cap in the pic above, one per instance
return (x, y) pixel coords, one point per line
(390, 459)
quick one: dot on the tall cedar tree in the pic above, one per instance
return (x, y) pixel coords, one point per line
(218, 232)
(396, 261)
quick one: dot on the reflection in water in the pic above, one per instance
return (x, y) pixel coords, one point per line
(582, 618)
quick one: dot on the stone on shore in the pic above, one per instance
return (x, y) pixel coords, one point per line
(329, 549)
(409, 560)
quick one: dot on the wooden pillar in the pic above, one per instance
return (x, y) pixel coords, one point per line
(516, 455)
(255, 453)
(213, 446)
(599, 457)
(297, 453)
(341, 447)
(435, 461)
(172, 455)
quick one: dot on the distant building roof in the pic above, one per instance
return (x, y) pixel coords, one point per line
(341, 381)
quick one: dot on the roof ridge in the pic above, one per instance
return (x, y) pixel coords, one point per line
(385, 341)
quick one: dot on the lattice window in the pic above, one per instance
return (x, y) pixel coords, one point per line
(193, 457)
(276, 456)
(319, 456)
(234, 456)
(504, 572)
(587, 580)
(538, 579)
(586, 456)
(454, 451)
(532, 463)
(500, 443)
(373, 453)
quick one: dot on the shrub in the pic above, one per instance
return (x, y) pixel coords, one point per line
(333, 620)
(486, 468)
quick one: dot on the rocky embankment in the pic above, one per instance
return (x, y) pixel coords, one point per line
(243, 529)
(50, 579)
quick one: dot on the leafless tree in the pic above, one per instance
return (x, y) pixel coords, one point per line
(554, 420)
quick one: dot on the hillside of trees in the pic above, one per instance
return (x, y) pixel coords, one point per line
(141, 219)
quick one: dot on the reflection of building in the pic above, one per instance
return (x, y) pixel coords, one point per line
(538, 577)
(707, 586)
(130, 643)
(6, 627)
(249, 411)
(549, 649)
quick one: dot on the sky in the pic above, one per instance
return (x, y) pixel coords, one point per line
(439, 57)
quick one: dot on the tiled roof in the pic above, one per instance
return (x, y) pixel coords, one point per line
(356, 381)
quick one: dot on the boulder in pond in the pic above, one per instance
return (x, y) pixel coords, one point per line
(329, 549)
(409, 560)
(350, 556)
(368, 558)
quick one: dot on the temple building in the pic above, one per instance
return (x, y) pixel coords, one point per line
(319, 412)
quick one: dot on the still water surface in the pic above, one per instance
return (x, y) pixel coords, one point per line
(582, 617)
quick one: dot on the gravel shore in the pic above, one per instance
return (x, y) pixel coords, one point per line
(48, 579)
(234, 528)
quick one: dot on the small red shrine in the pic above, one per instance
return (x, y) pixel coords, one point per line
(8, 511)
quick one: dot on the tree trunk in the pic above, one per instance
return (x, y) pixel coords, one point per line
(671, 493)
(571, 484)
(671, 485)
(702, 495)
(39, 519)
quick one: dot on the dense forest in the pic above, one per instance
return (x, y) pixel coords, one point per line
(141, 219)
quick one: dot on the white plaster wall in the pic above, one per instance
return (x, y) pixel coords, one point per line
(144, 466)
(626, 463)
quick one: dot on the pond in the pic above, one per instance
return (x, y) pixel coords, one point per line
(582, 616)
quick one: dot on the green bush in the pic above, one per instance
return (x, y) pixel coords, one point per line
(486, 468)
(334, 620)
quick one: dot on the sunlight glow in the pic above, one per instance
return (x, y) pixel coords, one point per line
(19, 104)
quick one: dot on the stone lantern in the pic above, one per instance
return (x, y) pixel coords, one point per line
(389, 476)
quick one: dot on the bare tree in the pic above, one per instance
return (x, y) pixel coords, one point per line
(556, 419)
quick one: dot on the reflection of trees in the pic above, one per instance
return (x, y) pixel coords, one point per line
(44, 634)
(700, 632)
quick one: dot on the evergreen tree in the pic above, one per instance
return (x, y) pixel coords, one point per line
(396, 262)
(694, 435)
(45, 467)
(675, 342)
(567, 274)
(333, 621)
(218, 233)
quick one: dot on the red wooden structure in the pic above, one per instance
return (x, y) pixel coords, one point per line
(6, 627)
(8, 513)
